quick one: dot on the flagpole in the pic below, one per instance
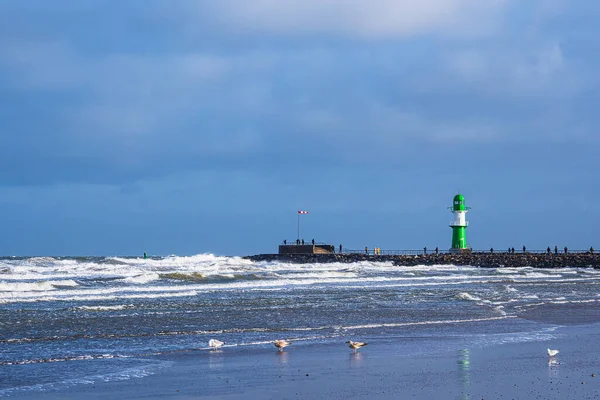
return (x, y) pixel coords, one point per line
(298, 227)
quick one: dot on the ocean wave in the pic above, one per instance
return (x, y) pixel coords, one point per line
(168, 333)
(63, 359)
(41, 260)
(500, 310)
(142, 278)
(326, 274)
(180, 276)
(541, 275)
(207, 267)
(466, 296)
(150, 291)
(436, 322)
(563, 301)
(141, 295)
(529, 297)
(330, 331)
(40, 286)
(105, 308)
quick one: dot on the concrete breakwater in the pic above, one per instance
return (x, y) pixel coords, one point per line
(485, 260)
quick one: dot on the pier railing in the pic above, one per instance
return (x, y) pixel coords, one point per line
(413, 252)
(416, 252)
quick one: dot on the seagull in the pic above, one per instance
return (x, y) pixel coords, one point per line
(280, 344)
(355, 345)
(215, 344)
(552, 353)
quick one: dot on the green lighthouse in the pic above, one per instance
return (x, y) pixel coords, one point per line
(459, 224)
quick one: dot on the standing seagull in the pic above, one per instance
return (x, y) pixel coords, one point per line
(355, 345)
(280, 344)
(215, 344)
(552, 353)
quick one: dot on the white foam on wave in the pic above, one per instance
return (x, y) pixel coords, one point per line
(41, 286)
(142, 278)
(590, 271)
(529, 297)
(541, 275)
(48, 268)
(157, 277)
(175, 262)
(467, 296)
(150, 291)
(105, 308)
(564, 301)
(512, 270)
(327, 274)
(133, 269)
(437, 322)
(500, 310)
(50, 297)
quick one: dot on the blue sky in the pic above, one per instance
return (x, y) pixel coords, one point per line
(183, 127)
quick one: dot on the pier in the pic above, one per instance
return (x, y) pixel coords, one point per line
(535, 258)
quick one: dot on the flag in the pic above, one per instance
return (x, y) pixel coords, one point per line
(302, 212)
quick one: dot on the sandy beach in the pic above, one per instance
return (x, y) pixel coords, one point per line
(382, 370)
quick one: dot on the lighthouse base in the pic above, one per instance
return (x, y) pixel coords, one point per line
(460, 251)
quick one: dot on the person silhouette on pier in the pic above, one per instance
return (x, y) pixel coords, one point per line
(425, 250)
(436, 250)
(513, 250)
(340, 249)
(566, 250)
(313, 242)
(366, 250)
(491, 250)
(591, 250)
(524, 249)
(302, 242)
(284, 241)
(555, 249)
(548, 249)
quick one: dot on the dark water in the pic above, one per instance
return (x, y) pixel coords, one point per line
(67, 321)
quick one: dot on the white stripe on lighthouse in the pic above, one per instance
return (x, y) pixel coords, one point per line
(460, 219)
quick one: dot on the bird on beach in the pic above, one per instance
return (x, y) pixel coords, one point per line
(280, 344)
(552, 353)
(215, 344)
(355, 345)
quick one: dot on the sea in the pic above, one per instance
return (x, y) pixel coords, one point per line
(73, 321)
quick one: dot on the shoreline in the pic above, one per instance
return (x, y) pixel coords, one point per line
(386, 369)
(484, 260)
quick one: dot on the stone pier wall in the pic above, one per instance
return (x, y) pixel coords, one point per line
(488, 260)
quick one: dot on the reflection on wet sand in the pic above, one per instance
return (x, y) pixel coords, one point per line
(553, 365)
(356, 360)
(216, 359)
(281, 357)
(464, 369)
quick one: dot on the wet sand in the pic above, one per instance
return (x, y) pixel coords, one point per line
(379, 371)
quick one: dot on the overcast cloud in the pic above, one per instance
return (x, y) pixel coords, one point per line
(191, 126)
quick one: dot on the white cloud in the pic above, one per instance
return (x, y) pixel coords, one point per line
(384, 126)
(355, 18)
(526, 71)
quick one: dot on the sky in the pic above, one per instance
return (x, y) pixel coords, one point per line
(186, 127)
